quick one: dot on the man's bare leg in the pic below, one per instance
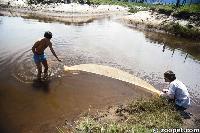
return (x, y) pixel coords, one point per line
(39, 68)
(45, 64)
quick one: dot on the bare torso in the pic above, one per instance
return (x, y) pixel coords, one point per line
(41, 45)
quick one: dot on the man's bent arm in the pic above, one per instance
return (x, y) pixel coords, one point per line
(53, 52)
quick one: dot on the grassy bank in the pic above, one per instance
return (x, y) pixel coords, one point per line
(140, 116)
(187, 31)
(193, 8)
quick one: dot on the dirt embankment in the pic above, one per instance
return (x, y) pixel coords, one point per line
(154, 21)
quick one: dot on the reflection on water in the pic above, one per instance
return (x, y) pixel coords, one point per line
(173, 50)
(69, 19)
(104, 42)
(188, 46)
(41, 85)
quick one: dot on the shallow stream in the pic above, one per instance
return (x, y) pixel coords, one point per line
(108, 42)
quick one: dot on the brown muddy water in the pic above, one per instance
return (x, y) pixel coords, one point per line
(28, 106)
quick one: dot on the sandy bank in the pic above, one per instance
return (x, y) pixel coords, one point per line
(149, 17)
(68, 13)
(153, 21)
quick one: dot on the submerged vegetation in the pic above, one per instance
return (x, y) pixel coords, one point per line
(139, 116)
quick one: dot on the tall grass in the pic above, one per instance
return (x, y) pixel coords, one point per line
(193, 8)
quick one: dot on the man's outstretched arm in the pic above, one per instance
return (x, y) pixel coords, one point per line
(53, 52)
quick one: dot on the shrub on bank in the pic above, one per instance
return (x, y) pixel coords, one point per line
(183, 12)
(44, 1)
(184, 31)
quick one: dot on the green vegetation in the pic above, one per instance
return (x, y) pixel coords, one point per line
(183, 31)
(139, 116)
(183, 12)
(133, 6)
(163, 9)
(44, 1)
(193, 8)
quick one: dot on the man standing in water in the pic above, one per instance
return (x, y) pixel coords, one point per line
(177, 91)
(39, 56)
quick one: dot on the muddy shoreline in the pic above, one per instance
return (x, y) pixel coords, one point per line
(43, 107)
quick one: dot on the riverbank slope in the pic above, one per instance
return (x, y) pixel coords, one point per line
(159, 22)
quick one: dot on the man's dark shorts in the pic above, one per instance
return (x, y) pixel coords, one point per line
(39, 58)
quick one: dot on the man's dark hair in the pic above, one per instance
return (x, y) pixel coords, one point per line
(170, 75)
(48, 34)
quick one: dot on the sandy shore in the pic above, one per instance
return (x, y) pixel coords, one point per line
(150, 20)
(67, 13)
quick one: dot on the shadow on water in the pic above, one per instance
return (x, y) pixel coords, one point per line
(41, 85)
(69, 20)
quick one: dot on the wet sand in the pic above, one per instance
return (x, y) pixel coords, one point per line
(41, 107)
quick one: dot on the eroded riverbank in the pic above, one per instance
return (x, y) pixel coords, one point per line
(158, 22)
